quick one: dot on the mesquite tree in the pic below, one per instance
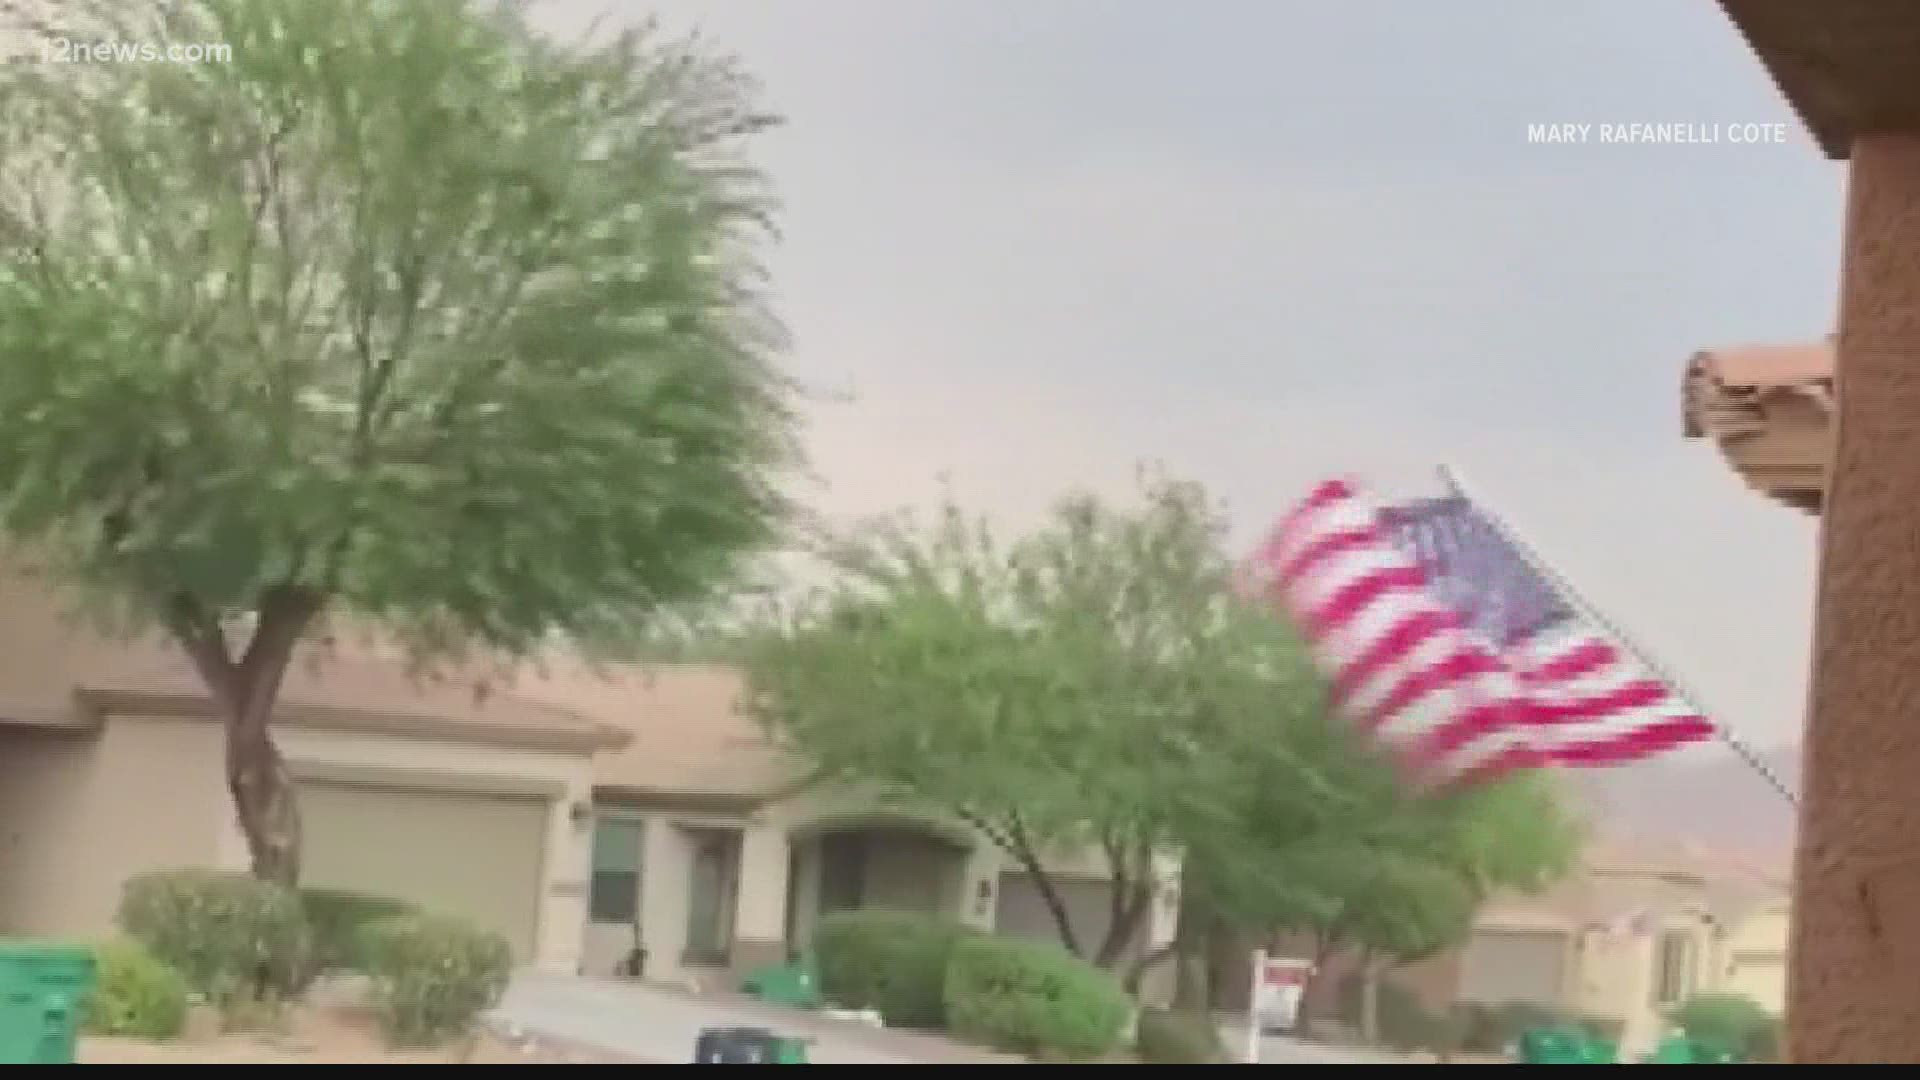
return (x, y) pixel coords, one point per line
(401, 312)
(1085, 687)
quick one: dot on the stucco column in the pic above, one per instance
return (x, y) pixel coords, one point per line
(1854, 987)
(760, 914)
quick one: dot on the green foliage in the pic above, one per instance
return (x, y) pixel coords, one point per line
(1174, 1037)
(338, 920)
(407, 305)
(433, 975)
(234, 938)
(1086, 683)
(135, 995)
(404, 314)
(1730, 1022)
(1033, 999)
(1381, 867)
(894, 962)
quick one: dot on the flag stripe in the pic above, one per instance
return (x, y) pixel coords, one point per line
(1463, 683)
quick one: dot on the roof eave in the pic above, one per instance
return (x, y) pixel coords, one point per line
(1842, 65)
(106, 701)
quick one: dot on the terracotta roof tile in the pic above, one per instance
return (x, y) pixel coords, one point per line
(1768, 407)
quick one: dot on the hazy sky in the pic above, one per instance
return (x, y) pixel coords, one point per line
(1038, 241)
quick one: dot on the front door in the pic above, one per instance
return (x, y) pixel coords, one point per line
(712, 890)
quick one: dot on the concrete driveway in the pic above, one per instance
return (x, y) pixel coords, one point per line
(659, 1025)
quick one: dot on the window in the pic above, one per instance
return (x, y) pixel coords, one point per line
(614, 894)
(1673, 968)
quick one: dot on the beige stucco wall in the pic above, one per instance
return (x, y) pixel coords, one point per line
(1617, 976)
(79, 814)
(1752, 959)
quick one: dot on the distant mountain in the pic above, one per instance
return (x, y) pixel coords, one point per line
(1710, 798)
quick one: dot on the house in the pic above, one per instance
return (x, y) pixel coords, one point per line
(711, 855)
(579, 812)
(111, 764)
(1845, 68)
(1634, 931)
(1628, 937)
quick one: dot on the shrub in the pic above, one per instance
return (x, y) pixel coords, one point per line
(134, 994)
(337, 921)
(232, 936)
(892, 962)
(433, 975)
(1033, 999)
(1174, 1037)
(1731, 1022)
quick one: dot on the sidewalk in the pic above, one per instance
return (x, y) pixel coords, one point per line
(659, 1025)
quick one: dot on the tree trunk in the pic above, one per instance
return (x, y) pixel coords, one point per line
(1130, 908)
(1056, 906)
(1369, 1000)
(262, 792)
(245, 692)
(1192, 987)
(1320, 1000)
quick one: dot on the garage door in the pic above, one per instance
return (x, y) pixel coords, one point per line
(477, 856)
(1022, 912)
(1509, 967)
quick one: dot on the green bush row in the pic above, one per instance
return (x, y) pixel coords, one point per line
(891, 962)
(433, 975)
(1405, 1023)
(1034, 999)
(1733, 1023)
(241, 942)
(919, 971)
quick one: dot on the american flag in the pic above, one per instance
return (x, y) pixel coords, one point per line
(1451, 650)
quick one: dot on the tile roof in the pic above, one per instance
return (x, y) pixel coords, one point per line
(48, 660)
(1769, 408)
(690, 735)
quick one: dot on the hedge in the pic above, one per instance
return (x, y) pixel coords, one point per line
(232, 936)
(1033, 999)
(433, 975)
(134, 994)
(892, 962)
(1731, 1022)
(338, 919)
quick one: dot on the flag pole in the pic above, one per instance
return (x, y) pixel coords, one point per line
(1450, 480)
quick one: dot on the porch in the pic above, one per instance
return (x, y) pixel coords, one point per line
(687, 897)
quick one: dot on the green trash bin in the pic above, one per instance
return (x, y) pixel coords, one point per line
(788, 1050)
(43, 988)
(791, 985)
(1564, 1046)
